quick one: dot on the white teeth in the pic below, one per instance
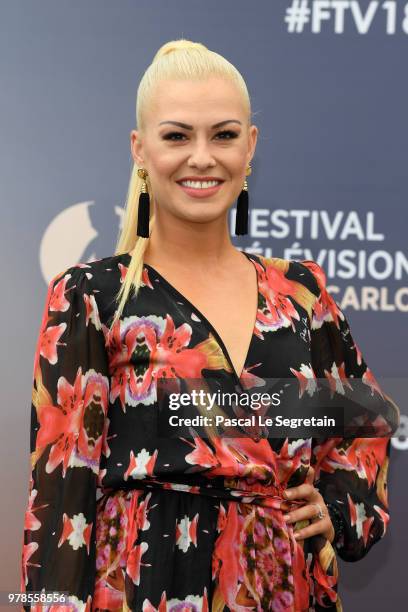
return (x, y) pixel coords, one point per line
(200, 185)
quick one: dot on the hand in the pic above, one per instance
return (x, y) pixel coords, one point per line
(308, 492)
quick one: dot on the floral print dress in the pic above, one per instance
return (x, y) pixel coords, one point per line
(123, 520)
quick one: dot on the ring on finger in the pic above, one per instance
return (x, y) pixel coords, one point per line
(320, 512)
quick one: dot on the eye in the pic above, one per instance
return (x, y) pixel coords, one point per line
(229, 133)
(171, 134)
(175, 135)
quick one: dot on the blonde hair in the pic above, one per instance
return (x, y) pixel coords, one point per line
(177, 59)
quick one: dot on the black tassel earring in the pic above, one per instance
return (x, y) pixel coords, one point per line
(241, 220)
(143, 214)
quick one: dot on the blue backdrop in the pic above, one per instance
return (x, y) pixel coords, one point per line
(329, 183)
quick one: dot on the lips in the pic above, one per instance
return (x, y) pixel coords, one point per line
(201, 179)
(200, 192)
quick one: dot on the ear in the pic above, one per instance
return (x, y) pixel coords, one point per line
(252, 140)
(136, 147)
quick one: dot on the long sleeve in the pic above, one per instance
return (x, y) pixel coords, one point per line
(70, 395)
(351, 473)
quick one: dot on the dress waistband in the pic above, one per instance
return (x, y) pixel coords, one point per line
(235, 489)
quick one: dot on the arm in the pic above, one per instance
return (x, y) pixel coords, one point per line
(351, 473)
(70, 395)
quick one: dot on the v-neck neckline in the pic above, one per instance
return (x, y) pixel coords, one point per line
(208, 323)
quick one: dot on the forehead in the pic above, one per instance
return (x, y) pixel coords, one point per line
(199, 101)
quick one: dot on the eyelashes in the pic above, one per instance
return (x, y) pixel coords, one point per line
(229, 133)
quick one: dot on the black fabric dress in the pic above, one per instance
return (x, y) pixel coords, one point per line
(123, 519)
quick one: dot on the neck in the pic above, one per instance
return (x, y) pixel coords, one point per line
(191, 245)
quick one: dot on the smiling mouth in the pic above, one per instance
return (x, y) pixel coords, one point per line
(200, 184)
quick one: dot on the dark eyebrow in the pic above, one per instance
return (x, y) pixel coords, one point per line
(190, 127)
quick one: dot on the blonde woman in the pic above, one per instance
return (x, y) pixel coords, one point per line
(121, 518)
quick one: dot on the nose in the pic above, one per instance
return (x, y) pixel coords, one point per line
(200, 156)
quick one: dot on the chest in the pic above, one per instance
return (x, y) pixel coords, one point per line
(230, 308)
(233, 315)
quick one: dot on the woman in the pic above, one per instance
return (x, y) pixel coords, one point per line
(122, 518)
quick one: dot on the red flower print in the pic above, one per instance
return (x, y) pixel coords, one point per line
(134, 562)
(202, 454)
(186, 533)
(325, 307)
(173, 357)
(31, 522)
(337, 379)
(191, 603)
(359, 519)
(306, 378)
(49, 341)
(76, 423)
(141, 465)
(277, 310)
(76, 530)
(28, 551)
(363, 456)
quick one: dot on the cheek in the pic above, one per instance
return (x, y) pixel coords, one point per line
(235, 161)
(165, 166)
(163, 162)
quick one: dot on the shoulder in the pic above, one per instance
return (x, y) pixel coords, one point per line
(91, 272)
(315, 273)
(95, 283)
(305, 271)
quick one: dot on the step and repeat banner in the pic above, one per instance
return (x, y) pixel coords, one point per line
(329, 90)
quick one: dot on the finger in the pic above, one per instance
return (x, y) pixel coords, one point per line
(310, 475)
(303, 491)
(311, 530)
(309, 511)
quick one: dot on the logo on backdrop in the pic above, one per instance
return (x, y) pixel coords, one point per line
(74, 229)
